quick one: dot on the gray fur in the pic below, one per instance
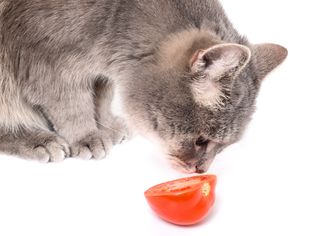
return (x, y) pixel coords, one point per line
(62, 60)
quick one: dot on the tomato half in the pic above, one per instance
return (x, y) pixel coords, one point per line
(184, 201)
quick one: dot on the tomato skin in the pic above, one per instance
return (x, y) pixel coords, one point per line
(183, 206)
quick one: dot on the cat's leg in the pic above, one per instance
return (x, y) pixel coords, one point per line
(25, 132)
(113, 125)
(72, 113)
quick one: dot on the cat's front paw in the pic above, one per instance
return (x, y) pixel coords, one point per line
(96, 145)
(39, 145)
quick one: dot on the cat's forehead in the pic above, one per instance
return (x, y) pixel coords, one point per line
(222, 123)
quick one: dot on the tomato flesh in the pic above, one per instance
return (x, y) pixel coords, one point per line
(184, 201)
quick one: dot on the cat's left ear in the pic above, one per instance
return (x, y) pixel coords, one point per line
(220, 61)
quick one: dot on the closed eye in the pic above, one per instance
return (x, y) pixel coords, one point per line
(202, 141)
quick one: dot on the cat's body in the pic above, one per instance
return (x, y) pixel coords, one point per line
(169, 61)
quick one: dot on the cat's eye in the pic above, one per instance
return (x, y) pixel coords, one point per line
(202, 141)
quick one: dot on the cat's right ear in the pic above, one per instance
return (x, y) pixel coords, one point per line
(267, 57)
(220, 61)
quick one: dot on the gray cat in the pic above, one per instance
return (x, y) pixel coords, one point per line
(184, 75)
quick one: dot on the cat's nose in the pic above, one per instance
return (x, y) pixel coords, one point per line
(200, 170)
(205, 153)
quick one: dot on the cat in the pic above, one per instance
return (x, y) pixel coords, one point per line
(185, 78)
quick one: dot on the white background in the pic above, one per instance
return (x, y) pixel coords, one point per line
(265, 182)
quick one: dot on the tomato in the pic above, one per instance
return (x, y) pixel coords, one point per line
(184, 201)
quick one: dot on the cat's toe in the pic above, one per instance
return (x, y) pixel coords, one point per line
(56, 152)
(53, 149)
(96, 145)
(38, 153)
(82, 152)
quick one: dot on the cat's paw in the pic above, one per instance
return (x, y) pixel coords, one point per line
(96, 145)
(42, 146)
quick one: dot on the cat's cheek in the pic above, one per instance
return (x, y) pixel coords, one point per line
(140, 127)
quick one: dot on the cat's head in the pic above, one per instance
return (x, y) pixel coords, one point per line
(199, 101)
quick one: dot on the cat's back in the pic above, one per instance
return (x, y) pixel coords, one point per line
(54, 25)
(163, 17)
(179, 12)
(86, 17)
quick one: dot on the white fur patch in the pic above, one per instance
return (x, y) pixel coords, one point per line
(207, 93)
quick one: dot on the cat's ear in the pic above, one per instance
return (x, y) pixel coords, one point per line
(268, 57)
(214, 64)
(220, 60)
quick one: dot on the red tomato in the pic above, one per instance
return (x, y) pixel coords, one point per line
(185, 201)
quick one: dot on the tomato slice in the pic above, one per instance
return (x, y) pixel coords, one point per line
(184, 201)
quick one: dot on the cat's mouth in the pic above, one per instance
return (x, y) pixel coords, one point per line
(194, 157)
(194, 166)
(204, 164)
